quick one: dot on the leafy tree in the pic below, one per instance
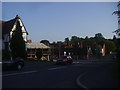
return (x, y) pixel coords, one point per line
(116, 12)
(80, 46)
(118, 35)
(67, 40)
(86, 37)
(75, 40)
(99, 35)
(39, 54)
(17, 43)
(46, 42)
(110, 46)
(114, 38)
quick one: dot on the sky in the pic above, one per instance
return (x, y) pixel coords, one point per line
(54, 21)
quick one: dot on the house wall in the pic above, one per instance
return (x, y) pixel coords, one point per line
(5, 41)
(23, 30)
(31, 53)
(7, 37)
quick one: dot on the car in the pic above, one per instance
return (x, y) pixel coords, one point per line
(64, 60)
(17, 64)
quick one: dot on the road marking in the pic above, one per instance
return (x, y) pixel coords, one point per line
(76, 62)
(19, 73)
(79, 83)
(57, 68)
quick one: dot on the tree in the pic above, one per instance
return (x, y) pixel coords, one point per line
(39, 54)
(75, 40)
(86, 37)
(116, 12)
(99, 35)
(118, 35)
(110, 46)
(67, 40)
(114, 38)
(46, 42)
(17, 43)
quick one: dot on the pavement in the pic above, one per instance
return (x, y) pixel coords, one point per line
(100, 78)
(87, 74)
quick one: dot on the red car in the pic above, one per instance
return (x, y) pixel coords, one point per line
(64, 60)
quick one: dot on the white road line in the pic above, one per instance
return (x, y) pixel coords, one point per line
(79, 83)
(76, 62)
(56, 68)
(19, 73)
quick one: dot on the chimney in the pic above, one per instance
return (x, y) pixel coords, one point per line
(17, 17)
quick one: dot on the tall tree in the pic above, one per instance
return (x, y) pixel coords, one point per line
(75, 40)
(67, 40)
(46, 42)
(17, 43)
(39, 54)
(99, 35)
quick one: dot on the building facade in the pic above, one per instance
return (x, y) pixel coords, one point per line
(34, 47)
(8, 27)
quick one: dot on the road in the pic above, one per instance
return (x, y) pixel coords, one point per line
(50, 75)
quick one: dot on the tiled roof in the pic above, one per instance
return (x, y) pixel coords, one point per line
(2, 21)
(8, 25)
(35, 45)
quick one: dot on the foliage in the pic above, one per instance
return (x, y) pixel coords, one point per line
(17, 43)
(116, 12)
(95, 43)
(39, 54)
(46, 42)
(118, 49)
(75, 40)
(78, 47)
(99, 35)
(110, 46)
(67, 40)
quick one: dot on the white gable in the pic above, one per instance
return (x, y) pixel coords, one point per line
(23, 30)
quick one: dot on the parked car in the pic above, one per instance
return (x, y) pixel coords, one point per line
(17, 64)
(64, 60)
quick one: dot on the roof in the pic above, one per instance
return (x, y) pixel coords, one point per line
(2, 21)
(35, 45)
(8, 25)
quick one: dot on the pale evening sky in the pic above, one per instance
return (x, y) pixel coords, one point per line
(54, 21)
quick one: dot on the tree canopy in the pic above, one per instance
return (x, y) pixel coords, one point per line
(93, 42)
(17, 43)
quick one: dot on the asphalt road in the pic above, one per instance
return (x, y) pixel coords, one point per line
(50, 75)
